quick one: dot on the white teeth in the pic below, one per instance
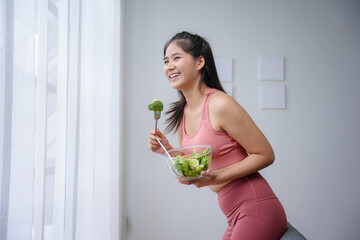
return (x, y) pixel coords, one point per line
(174, 75)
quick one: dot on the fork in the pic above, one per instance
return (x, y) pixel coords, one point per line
(156, 117)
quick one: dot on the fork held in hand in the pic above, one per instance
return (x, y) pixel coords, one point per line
(156, 117)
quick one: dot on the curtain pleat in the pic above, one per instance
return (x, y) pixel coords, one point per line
(18, 41)
(73, 116)
(6, 105)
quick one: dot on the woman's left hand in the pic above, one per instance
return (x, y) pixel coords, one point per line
(209, 178)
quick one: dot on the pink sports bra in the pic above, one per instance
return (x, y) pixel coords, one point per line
(226, 150)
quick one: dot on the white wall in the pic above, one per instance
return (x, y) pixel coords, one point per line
(316, 139)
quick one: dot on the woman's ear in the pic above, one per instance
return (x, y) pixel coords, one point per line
(201, 62)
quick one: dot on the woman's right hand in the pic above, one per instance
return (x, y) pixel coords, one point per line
(154, 145)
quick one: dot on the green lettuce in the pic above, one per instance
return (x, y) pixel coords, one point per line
(193, 164)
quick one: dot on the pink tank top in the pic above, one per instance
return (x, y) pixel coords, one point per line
(226, 150)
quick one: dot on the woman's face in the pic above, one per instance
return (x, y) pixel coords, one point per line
(181, 68)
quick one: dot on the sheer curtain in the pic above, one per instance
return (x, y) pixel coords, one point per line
(61, 119)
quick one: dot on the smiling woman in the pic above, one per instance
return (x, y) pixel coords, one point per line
(206, 115)
(181, 68)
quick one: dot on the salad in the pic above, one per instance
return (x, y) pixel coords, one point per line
(192, 165)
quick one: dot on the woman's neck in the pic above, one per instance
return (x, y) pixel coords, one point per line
(195, 96)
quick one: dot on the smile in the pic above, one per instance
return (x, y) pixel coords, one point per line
(174, 75)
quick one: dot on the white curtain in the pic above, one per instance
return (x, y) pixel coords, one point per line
(61, 119)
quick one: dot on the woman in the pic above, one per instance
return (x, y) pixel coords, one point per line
(205, 114)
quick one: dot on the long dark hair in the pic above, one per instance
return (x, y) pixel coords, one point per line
(196, 46)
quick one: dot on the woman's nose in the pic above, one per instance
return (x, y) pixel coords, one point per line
(170, 65)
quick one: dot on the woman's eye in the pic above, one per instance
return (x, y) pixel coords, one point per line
(176, 58)
(166, 62)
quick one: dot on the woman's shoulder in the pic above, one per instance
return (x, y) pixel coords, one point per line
(221, 101)
(223, 110)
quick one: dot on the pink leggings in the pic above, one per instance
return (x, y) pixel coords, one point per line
(252, 209)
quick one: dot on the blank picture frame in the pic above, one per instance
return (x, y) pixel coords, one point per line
(273, 96)
(224, 67)
(228, 87)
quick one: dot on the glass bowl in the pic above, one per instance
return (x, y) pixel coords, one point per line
(188, 162)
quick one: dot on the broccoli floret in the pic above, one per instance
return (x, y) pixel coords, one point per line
(156, 105)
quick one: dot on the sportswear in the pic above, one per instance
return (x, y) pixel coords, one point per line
(251, 207)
